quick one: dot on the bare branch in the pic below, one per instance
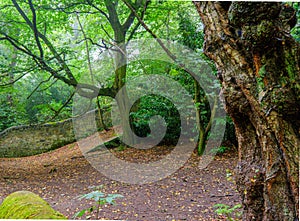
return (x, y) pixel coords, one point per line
(6, 6)
(212, 115)
(18, 45)
(131, 16)
(4, 74)
(138, 24)
(159, 41)
(92, 42)
(12, 21)
(87, 50)
(57, 112)
(83, 90)
(71, 80)
(14, 81)
(28, 70)
(46, 88)
(90, 2)
(41, 63)
(35, 30)
(37, 87)
(106, 32)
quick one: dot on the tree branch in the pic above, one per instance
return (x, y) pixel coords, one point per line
(65, 9)
(108, 35)
(82, 91)
(71, 80)
(37, 59)
(46, 88)
(37, 87)
(131, 16)
(18, 45)
(98, 9)
(212, 115)
(92, 42)
(138, 24)
(87, 49)
(113, 17)
(14, 81)
(57, 112)
(85, 90)
(35, 30)
(6, 6)
(159, 41)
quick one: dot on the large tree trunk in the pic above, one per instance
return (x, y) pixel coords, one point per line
(123, 100)
(120, 59)
(259, 67)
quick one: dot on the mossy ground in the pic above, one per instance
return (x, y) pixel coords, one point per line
(27, 205)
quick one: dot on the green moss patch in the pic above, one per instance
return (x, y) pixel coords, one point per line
(27, 205)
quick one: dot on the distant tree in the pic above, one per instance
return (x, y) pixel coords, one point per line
(48, 36)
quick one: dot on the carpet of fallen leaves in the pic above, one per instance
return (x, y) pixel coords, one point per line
(61, 175)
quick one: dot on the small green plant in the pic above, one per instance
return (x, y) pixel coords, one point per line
(232, 213)
(219, 150)
(122, 147)
(99, 198)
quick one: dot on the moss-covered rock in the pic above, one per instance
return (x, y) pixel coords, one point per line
(27, 205)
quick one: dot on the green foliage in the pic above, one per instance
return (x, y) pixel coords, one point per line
(191, 34)
(7, 116)
(11, 112)
(38, 96)
(21, 107)
(59, 22)
(99, 199)
(150, 106)
(219, 150)
(113, 143)
(231, 213)
(121, 147)
(296, 30)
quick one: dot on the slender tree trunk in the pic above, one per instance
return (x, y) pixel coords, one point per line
(203, 130)
(259, 67)
(202, 137)
(100, 115)
(12, 65)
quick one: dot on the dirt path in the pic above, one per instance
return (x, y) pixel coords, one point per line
(61, 175)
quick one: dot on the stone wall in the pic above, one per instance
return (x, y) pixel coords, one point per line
(28, 140)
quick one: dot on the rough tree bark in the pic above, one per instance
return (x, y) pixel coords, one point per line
(258, 64)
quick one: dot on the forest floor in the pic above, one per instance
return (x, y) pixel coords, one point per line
(62, 175)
